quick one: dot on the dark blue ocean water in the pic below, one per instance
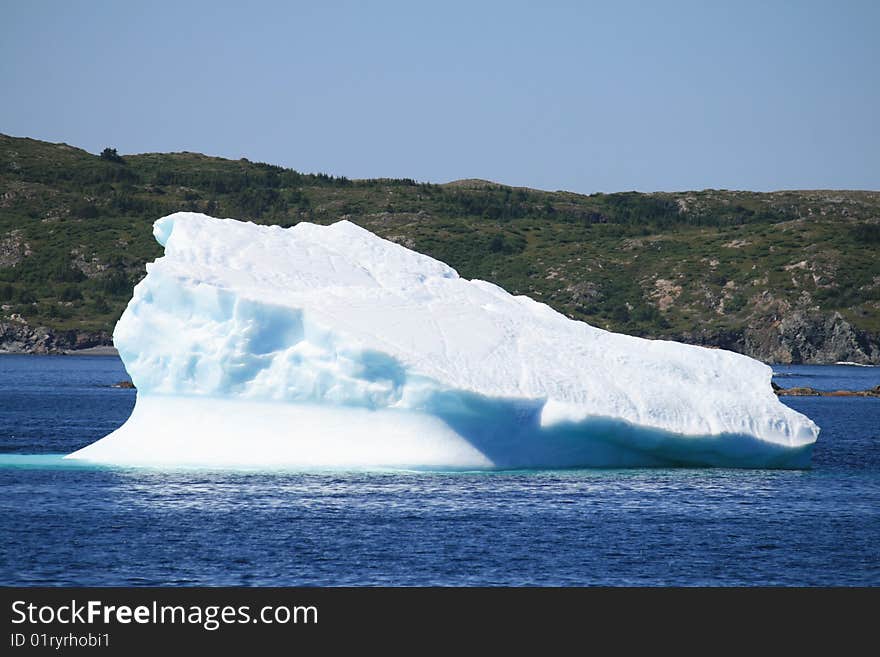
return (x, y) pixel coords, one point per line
(65, 525)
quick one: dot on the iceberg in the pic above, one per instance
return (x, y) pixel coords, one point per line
(329, 347)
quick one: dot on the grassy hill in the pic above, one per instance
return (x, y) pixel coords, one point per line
(784, 276)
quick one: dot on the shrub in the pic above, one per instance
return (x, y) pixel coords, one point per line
(70, 293)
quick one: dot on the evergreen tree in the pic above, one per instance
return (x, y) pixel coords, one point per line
(111, 155)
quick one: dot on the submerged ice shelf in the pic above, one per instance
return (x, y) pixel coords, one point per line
(327, 346)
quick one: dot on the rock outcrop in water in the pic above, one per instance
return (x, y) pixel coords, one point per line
(806, 391)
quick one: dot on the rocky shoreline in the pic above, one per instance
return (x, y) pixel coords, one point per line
(17, 337)
(796, 339)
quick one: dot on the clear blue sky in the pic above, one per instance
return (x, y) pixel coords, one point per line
(581, 96)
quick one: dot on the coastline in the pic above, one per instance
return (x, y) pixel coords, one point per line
(99, 350)
(109, 350)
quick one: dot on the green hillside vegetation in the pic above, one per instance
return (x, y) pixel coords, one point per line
(75, 233)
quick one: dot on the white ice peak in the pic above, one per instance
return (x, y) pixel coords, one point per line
(334, 319)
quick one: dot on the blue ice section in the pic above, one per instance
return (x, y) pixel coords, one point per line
(509, 433)
(43, 461)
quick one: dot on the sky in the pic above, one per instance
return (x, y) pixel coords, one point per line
(582, 96)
